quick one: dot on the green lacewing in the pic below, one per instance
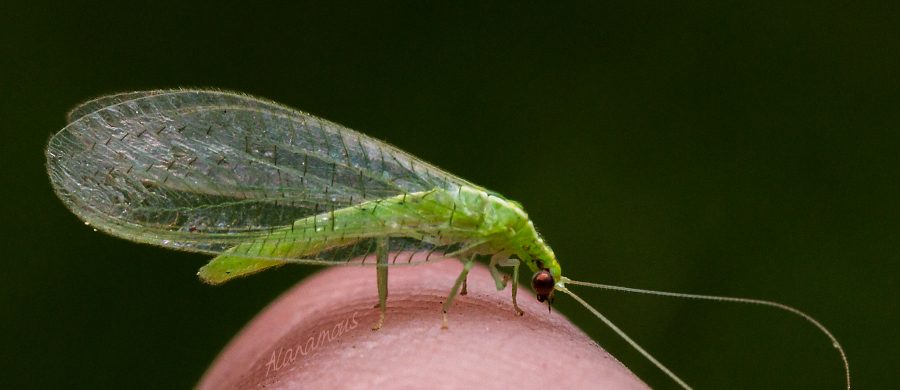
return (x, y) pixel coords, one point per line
(258, 185)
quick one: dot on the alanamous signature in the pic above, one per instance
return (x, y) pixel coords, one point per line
(283, 357)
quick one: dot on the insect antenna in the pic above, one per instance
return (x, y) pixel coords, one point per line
(624, 336)
(717, 298)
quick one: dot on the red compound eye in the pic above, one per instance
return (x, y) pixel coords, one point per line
(543, 283)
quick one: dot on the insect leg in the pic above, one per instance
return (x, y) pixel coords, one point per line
(459, 281)
(515, 287)
(499, 278)
(465, 290)
(382, 269)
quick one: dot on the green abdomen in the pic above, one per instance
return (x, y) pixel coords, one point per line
(437, 222)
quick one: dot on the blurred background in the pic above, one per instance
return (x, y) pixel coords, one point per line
(746, 150)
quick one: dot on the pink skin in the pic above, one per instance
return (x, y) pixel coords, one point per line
(318, 336)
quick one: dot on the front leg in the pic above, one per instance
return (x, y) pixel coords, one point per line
(515, 288)
(499, 258)
(500, 279)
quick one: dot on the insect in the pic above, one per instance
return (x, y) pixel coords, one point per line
(259, 185)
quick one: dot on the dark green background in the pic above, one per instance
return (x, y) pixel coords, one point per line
(747, 150)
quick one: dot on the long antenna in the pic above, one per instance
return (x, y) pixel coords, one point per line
(624, 336)
(776, 305)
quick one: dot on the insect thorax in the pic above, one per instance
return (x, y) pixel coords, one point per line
(507, 228)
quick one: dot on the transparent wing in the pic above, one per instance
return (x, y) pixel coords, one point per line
(206, 170)
(98, 103)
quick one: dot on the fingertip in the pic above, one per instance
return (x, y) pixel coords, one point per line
(312, 336)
